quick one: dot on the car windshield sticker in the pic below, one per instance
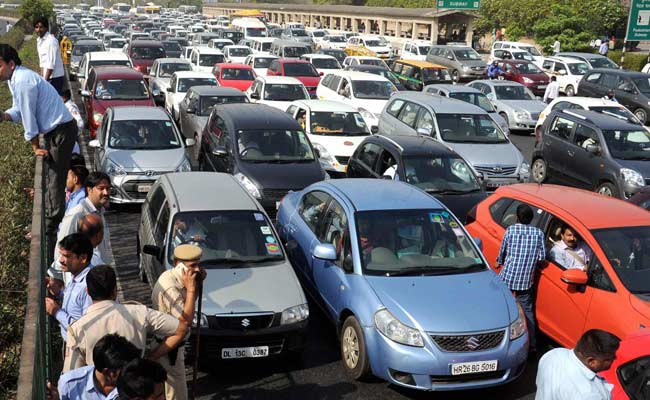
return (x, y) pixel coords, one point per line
(458, 231)
(265, 230)
(270, 239)
(478, 260)
(173, 142)
(259, 217)
(453, 224)
(445, 214)
(437, 218)
(272, 248)
(168, 124)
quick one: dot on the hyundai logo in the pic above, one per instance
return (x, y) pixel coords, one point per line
(150, 173)
(245, 322)
(472, 343)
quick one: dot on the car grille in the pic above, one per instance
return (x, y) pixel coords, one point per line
(496, 170)
(478, 68)
(131, 188)
(344, 160)
(241, 322)
(466, 343)
(454, 379)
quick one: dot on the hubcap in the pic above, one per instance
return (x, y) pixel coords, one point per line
(350, 348)
(640, 115)
(605, 191)
(539, 172)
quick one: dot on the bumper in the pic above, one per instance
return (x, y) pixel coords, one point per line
(628, 190)
(428, 368)
(528, 124)
(493, 183)
(472, 74)
(130, 189)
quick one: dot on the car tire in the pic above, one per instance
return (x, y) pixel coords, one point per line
(353, 349)
(642, 115)
(455, 76)
(607, 189)
(539, 170)
(570, 91)
(505, 118)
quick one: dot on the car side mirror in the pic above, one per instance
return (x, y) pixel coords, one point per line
(317, 153)
(490, 96)
(574, 277)
(387, 177)
(156, 93)
(374, 129)
(424, 131)
(255, 96)
(324, 251)
(152, 250)
(189, 142)
(593, 149)
(219, 151)
(348, 264)
(190, 111)
(450, 57)
(85, 93)
(94, 144)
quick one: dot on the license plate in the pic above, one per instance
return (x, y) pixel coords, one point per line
(476, 367)
(144, 188)
(245, 352)
(541, 87)
(496, 184)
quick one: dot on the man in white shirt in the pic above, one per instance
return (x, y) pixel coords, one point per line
(566, 374)
(552, 90)
(49, 55)
(556, 47)
(571, 252)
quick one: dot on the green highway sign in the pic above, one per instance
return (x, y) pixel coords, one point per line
(461, 4)
(638, 26)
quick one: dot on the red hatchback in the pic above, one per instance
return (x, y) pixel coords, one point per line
(630, 372)
(144, 52)
(302, 70)
(238, 76)
(526, 73)
(112, 86)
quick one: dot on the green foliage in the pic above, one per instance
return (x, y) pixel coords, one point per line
(633, 61)
(603, 16)
(514, 32)
(31, 9)
(520, 15)
(566, 25)
(13, 38)
(401, 3)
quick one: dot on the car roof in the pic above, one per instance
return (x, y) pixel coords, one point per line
(262, 56)
(585, 206)
(234, 65)
(193, 74)
(602, 121)
(442, 105)
(628, 73)
(317, 55)
(88, 42)
(206, 50)
(107, 55)
(145, 43)
(208, 90)
(236, 46)
(219, 191)
(364, 58)
(127, 113)
(494, 82)
(325, 105)
(565, 60)
(288, 80)
(293, 61)
(117, 72)
(415, 145)
(358, 76)
(454, 88)
(579, 54)
(587, 101)
(421, 64)
(172, 61)
(252, 116)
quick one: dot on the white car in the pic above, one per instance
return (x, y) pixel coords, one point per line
(236, 54)
(203, 59)
(116, 45)
(333, 42)
(277, 91)
(539, 58)
(415, 50)
(220, 43)
(364, 60)
(322, 62)
(161, 72)
(375, 44)
(97, 58)
(568, 71)
(510, 54)
(262, 45)
(260, 63)
(180, 82)
(367, 93)
(335, 130)
(317, 35)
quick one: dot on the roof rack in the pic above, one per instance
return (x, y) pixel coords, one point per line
(573, 114)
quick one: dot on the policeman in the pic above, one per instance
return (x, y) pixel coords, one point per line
(66, 46)
(175, 294)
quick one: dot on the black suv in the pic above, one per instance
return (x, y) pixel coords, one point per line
(594, 151)
(422, 162)
(263, 147)
(632, 89)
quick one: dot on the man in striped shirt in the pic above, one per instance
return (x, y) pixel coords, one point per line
(521, 250)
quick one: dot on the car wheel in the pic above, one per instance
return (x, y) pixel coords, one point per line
(607, 189)
(539, 171)
(641, 114)
(570, 91)
(455, 76)
(505, 118)
(353, 349)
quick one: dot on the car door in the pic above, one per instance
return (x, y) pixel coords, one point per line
(214, 150)
(160, 234)
(362, 163)
(557, 151)
(626, 93)
(407, 118)
(150, 211)
(88, 100)
(102, 137)
(585, 164)
(169, 94)
(388, 122)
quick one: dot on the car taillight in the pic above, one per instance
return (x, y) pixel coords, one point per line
(471, 215)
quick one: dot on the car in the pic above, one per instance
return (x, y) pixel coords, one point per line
(238, 76)
(172, 48)
(517, 105)
(415, 50)
(220, 43)
(568, 72)
(236, 54)
(160, 73)
(297, 34)
(135, 146)
(203, 59)
(510, 55)
(333, 41)
(106, 38)
(464, 63)
(116, 45)
(423, 162)
(610, 295)
(277, 91)
(242, 254)
(594, 60)
(378, 70)
(372, 46)
(525, 73)
(628, 373)
(335, 130)
(351, 61)
(78, 51)
(98, 58)
(381, 270)
(264, 148)
(594, 151)
(317, 35)
(336, 53)
(180, 82)
(467, 129)
(262, 45)
(289, 48)
(203, 38)
(302, 70)
(259, 63)
(322, 62)
(415, 74)
(110, 86)
(539, 58)
(143, 53)
(231, 34)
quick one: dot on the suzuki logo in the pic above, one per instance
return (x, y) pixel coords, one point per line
(150, 173)
(472, 343)
(245, 322)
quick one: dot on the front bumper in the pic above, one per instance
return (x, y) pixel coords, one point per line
(473, 74)
(493, 183)
(131, 188)
(525, 123)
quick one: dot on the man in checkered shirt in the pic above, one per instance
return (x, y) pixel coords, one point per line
(521, 250)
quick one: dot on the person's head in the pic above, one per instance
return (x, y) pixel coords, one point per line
(495, 63)
(92, 227)
(77, 175)
(9, 60)
(101, 283)
(98, 189)
(525, 214)
(597, 349)
(553, 78)
(66, 95)
(41, 26)
(610, 93)
(142, 379)
(75, 253)
(568, 236)
(110, 354)
(77, 159)
(187, 255)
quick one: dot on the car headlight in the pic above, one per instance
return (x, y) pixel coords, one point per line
(632, 177)
(522, 114)
(97, 117)
(324, 154)
(203, 320)
(524, 169)
(395, 330)
(295, 314)
(114, 169)
(248, 185)
(185, 166)
(518, 326)
(466, 67)
(367, 114)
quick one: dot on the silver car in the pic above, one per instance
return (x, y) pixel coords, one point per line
(77, 53)
(463, 62)
(135, 146)
(513, 101)
(160, 73)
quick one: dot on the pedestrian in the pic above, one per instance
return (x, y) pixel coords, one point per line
(75, 186)
(552, 90)
(142, 379)
(569, 374)
(171, 296)
(604, 48)
(66, 96)
(92, 227)
(49, 54)
(610, 96)
(556, 47)
(8, 27)
(105, 315)
(41, 111)
(521, 250)
(75, 253)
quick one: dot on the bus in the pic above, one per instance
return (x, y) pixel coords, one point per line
(83, 7)
(121, 8)
(188, 9)
(149, 9)
(250, 27)
(97, 10)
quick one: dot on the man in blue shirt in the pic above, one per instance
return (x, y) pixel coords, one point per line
(521, 250)
(75, 185)
(38, 106)
(142, 379)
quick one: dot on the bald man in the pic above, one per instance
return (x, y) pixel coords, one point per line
(92, 226)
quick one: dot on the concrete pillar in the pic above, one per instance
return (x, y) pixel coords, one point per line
(414, 31)
(382, 27)
(366, 22)
(398, 29)
(434, 32)
(469, 34)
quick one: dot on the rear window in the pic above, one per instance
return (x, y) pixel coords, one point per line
(147, 53)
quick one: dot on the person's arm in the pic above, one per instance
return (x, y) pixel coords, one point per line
(75, 356)
(170, 342)
(546, 92)
(164, 325)
(504, 248)
(27, 95)
(189, 281)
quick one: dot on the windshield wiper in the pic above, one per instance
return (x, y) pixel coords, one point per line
(426, 270)
(451, 191)
(217, 261)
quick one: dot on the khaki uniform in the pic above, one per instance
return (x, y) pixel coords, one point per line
(133, 321)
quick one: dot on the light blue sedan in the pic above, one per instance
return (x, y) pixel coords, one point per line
(411, 294)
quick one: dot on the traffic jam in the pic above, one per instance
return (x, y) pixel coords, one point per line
(375, 182)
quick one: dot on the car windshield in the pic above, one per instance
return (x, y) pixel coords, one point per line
(628, 251)
(326, 63)
(372, 61)
(239, 52)
(208, 60)
(467, 54)
(578, 68)
(234, 36)
(376, 42)
(99, 63)
(469, 128)
(121, 89)
(318, 33)
(414, 242)
(478, 99)
(221, 44)
(627, 144)
(143, 135)
(643, 84)
(512, 92)
(147, 53)
(380, 90)
(282, 92)
(229, 239)
(117, 44)
(295, 52)
(527, 68)
(181, 41)
(256, 32)
(337, 124)
(298, 32)
(616, 112)
(440, 174)
(274, 146)
(435, 74)
(336, 39)
(523, 56)
(262, 62)
(81, 49)
(237, 74)
(602, 62)
(172, 46)
(386, 74)
(167, 69)
(424, 49)
(299, 69)
(208, 102)
(185, 84)
(532, 50)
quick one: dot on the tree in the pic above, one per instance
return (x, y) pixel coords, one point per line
(31, 9)
(566, 24)
(603, 16)
(517, 15)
